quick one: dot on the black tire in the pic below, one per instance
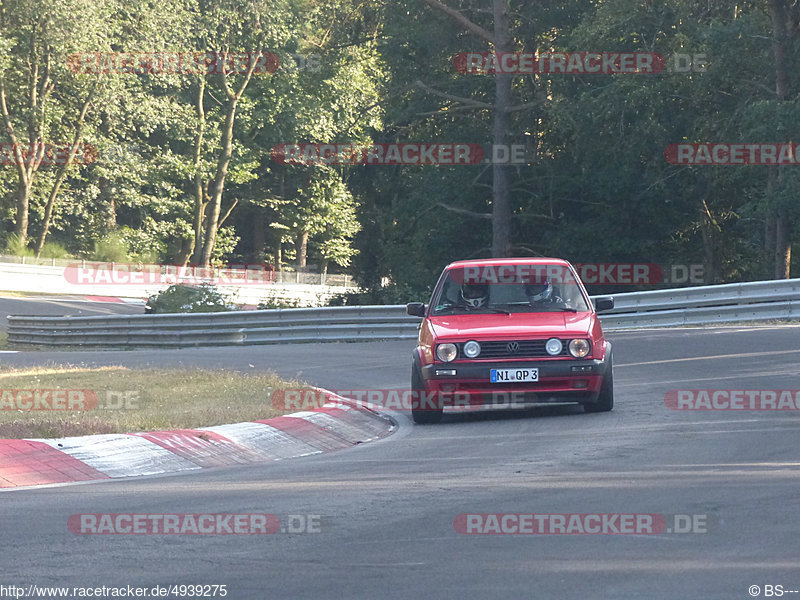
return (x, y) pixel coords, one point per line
(422, 415)
(605, 400)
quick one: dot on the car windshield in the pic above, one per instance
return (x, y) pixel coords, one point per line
(509, 289)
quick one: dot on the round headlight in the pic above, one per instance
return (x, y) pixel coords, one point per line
(446, 352)
(579, 348)
(554, 346)
(472, 349)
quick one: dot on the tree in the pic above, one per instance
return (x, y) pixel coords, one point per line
(500, 42)
(35, 41)
(235, 26)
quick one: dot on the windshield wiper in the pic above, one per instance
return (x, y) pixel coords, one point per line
(469, 311)
(542, 308)
(499, 311)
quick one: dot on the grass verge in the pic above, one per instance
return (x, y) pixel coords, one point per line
(131, 400)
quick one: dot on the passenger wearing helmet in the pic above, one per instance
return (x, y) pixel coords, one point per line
(540, 294)
(474, 295)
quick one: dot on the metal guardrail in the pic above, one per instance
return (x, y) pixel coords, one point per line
(730, 303)
(347, 323)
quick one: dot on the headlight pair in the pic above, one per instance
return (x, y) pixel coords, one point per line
(579, 348)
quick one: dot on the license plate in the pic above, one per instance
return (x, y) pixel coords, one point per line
(513, 375)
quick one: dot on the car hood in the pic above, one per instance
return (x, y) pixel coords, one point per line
(515, 325)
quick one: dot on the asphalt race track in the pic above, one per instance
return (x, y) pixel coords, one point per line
(387, 508)
(61, 305)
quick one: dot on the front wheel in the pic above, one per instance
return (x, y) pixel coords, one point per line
(421, 410)
(605, 400)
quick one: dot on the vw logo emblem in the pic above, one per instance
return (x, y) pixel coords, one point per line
(512, 347)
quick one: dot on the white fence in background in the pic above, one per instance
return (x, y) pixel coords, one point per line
(306, 289)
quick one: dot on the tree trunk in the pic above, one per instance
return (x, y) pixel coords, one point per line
(783, 247)
(781, 31)
(111, 217)
(38, 91)
(62, 173)
(185, 246)
(301, 248)
(501, 209)
(259, 239)
(106, 195)
(215, 203)
(769, 243)
(212, 220)
(709, 264)
(25, 168)
(199, 191)
(23, 201)
(501, 41)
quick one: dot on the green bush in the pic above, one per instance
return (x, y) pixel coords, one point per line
(15, 248)
(275, 302)
(112, 248)
(188, 299)
(54, 250)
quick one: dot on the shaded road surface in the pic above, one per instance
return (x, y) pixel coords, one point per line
(54, 306)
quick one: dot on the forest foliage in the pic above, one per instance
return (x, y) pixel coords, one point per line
(180, 167)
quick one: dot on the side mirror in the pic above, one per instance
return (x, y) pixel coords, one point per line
(415, 309)
(602, 303)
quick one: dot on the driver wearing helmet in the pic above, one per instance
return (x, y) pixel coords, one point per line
(540, 294)
(474, 295)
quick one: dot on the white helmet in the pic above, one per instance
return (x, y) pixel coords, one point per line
(539, 292)
(475, 295)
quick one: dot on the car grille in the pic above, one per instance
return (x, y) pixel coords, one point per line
(525, 349)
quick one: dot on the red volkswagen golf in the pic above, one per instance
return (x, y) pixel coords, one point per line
(501, 332)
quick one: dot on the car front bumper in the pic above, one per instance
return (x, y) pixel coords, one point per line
(559, 381)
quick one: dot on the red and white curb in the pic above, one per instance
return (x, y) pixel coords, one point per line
(336, 425)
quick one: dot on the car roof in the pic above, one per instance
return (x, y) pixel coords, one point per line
(507, 261)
